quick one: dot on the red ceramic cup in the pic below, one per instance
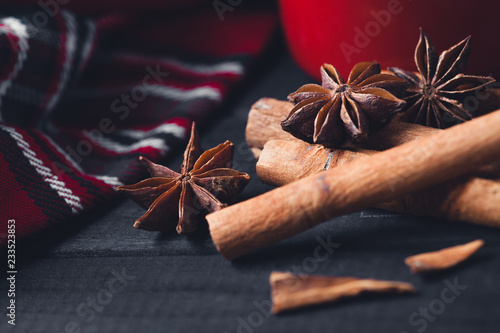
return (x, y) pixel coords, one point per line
(344, 33)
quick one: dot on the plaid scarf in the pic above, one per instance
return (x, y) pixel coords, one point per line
(82, 97)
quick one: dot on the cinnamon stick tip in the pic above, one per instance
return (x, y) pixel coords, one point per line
(263, 103)
(215, 232)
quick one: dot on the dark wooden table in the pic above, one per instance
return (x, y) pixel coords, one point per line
(99, 274)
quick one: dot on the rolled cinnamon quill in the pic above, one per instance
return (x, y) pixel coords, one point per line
(265, 116)
(465, 199)
(281, 213)
(264, 124)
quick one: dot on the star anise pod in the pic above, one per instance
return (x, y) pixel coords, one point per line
(437, 92)
(204, 184)
(336, 110)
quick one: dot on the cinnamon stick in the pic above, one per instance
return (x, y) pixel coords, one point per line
(265, 116)
(282, 162)
(290, 291)
(466, 199)
(442, 259)
(264, 124)
(264, 121)
(410, 167)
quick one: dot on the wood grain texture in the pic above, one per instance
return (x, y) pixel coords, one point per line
(413, 166)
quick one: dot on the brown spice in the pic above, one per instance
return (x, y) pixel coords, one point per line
(414, 166)
(266, 114)
(330, 113)
(437, 93)
(282, 162)
(467, 199)
(290, 291)
(264, 121)
(205, 184)
(442, 259)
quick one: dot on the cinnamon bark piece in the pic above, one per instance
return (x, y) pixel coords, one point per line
(442, 259)
(265, 116)
(264, 121)
(290, 291)
(411, 167)
(467, 199)
(282, 162)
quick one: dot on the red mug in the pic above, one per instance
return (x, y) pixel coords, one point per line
(344, 33)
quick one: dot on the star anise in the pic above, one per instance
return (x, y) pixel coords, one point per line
(437, 92)
(204, 184)
(329, 113)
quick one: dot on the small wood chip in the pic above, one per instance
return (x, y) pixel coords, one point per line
(442, 259)
(291, 291)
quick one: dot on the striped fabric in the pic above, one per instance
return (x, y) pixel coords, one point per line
(82, 97)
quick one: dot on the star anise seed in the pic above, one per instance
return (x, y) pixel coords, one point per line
(204, 184)
(336, 110)
(438, 91)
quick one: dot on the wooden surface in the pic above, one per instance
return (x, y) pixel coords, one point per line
(182, 284)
